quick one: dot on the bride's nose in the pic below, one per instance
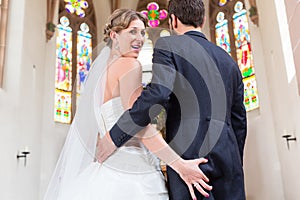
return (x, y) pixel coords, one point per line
(140, 37)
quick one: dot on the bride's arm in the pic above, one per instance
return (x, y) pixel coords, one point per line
(189, 171)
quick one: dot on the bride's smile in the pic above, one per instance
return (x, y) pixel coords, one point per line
(131, 39)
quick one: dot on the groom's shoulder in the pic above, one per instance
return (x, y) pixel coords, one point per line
(172, 38)
(170, 41)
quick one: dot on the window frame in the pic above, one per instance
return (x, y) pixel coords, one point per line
(75, 22)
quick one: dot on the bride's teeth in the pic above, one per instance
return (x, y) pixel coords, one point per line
(135, 47)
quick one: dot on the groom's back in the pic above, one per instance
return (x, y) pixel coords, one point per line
(202, 88)
(199, 112)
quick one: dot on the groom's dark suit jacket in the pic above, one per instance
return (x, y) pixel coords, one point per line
(201, 88)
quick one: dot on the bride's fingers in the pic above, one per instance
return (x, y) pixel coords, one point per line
(199, 175)
(205, 185)
(200, 189)
(191, 189)
(98, 156)
(202, 175)
(201, 160)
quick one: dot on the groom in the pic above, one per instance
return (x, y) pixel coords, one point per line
(201, 88)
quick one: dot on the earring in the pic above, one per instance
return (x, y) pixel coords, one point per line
(117, 45)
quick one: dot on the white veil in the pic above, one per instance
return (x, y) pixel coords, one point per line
(80, 145)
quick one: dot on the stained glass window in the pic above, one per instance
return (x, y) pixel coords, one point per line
(232, 34)
(222, 2)
(63, 80)
(157, 20)
(242, 40)
(222, 36)
(76, 35)
(62, 106)
(250, 93)
(76, 6)
(154, 15)
(84, 55)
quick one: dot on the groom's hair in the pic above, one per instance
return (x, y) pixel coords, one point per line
(189, 12)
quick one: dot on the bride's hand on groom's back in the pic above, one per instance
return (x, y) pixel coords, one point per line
(192, 175)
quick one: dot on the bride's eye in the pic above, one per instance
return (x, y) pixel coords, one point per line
(133, 31)
(143, 33)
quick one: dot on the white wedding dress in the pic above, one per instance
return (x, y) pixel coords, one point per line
(130, 173)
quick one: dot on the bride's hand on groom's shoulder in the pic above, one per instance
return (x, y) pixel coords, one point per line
(105, 147)
(192, 175)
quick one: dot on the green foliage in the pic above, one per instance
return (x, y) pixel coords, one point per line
(50, 26)
(252, 11)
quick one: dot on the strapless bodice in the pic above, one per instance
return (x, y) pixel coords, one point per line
(132, 157)
(110, 112)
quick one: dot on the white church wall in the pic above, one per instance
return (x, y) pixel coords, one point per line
(276, 165)
(283, 99)
(53, 134)
(21, 99)
(270, 168)
(262, 166)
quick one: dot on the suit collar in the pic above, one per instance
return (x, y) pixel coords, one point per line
(195, 33)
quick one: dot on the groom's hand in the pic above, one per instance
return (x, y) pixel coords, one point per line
(192, 175)
(105, 147)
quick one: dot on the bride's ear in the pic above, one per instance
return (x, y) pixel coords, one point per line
(113, 35)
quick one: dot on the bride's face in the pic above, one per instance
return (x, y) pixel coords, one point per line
(131, 40)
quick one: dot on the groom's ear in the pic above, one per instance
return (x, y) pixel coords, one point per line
(173, 21)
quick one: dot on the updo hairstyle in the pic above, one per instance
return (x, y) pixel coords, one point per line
(120, 20)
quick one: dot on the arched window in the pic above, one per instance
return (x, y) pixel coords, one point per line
(156, 12)
(76, 37)
(229, 30)
(3, 23)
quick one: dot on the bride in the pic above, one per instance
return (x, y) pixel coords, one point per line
(113, 84)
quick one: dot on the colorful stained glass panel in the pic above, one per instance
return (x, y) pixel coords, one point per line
(154, 15)
(251, 100)
(242, 41)
(63, 79)
(62, 106)
(241, 37)
(222, 2)
(222, 35)
(84, 54)
(76, 6)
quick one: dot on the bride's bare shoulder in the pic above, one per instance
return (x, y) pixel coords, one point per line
(128, 62)
(125, 64)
